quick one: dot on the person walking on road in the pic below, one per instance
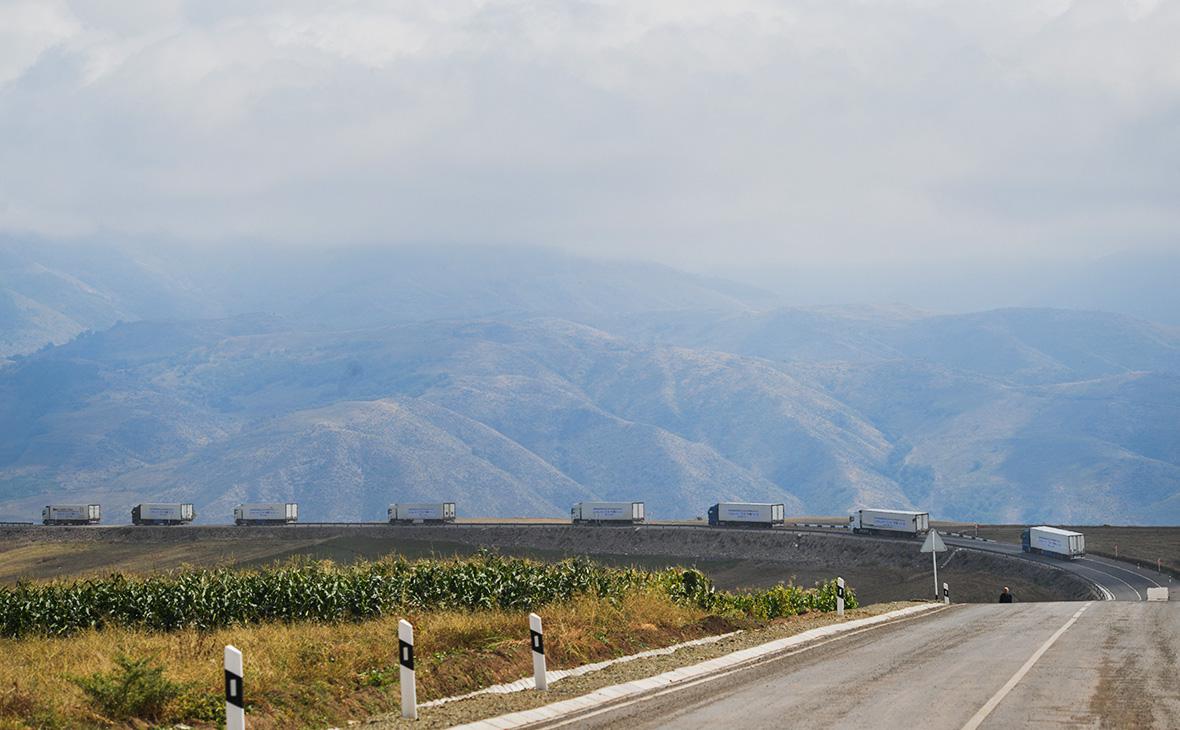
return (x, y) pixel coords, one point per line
(1006, 595)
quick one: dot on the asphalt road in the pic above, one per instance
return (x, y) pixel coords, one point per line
(1117, 580)
(1100, 664)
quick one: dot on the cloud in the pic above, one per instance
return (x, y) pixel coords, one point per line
(27, 30)
(693, 132)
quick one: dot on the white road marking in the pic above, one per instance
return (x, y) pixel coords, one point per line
(1144, 576)
(1138, 595)
(740, 668)
(999, 696)
(1106, 594)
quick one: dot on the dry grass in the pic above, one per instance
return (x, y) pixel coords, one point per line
(315, 675)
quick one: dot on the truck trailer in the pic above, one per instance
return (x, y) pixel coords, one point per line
(435, 513)
(607, 513)
(156, 513)
(71, 514)
(266, 513)
(745, 514)
(1052, 541)
(889, 522)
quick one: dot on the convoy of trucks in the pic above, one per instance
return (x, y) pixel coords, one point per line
(435, 513)
(1053, 541)
(266, 513)
(746, 514)
(156, 513)
(889, 521)
(1041, 539)
(607, 513)
(71, 514)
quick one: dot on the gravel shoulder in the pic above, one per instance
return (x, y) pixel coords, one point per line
(484, 706)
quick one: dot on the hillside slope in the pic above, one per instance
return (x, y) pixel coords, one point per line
(526, 416)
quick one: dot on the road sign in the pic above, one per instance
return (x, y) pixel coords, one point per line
(934, 543)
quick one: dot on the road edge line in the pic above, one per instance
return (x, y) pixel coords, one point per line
(699, 671)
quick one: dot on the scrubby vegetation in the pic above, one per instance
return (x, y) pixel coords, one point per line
(321, 591)
(320, 639)
(136, 688)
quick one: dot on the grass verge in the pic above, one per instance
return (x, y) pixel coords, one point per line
(320, 642)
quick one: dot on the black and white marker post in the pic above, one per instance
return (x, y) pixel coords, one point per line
(235, 705)
(839, 596)
(946, 594)
(405, 657)
(537, 636)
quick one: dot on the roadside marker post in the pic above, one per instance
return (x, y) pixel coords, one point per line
(405, 657)
(235, 705)
(537, 640)
(934, 545)
(946, 594)
(839, 596)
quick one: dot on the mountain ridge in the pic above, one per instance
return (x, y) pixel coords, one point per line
(179, 409)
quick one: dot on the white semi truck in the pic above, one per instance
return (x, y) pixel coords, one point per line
(266, 513)
(746, 514)
(156, 513)
(889, 522)
(71, 514)
(607, 513)
(433, 513)
(1053, 541)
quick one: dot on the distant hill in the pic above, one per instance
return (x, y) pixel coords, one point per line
(1018, 345)
(525, 417)
(516, 381)
(509, 418)
(50, 292)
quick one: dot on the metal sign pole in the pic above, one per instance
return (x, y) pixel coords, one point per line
(934, 545)
(934, 559)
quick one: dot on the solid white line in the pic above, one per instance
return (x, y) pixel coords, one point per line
(680, 686)
(1120, 580)
(1144, 576)
(998, 697)
(1106, 594)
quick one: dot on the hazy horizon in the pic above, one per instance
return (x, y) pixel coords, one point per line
(741, 139)
(1134, 283)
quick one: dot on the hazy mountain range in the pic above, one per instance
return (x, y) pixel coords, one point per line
(515, 382)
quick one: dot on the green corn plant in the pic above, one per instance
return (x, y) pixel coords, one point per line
(302, 590)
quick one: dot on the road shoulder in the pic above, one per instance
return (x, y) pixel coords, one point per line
(644, 675)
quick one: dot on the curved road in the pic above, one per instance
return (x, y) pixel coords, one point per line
(1115, 580)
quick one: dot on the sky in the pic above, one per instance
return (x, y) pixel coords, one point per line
(709, 135)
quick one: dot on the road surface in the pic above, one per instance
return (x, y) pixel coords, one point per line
(1117, 580)
(1101, 664)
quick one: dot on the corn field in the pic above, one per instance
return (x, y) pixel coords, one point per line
(310, 591)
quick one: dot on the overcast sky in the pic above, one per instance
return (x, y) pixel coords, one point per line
(700, 133)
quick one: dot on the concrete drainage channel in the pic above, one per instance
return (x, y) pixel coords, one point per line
(613, 696)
